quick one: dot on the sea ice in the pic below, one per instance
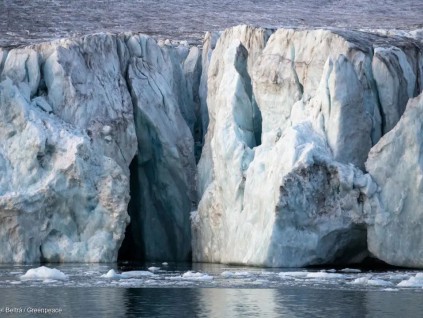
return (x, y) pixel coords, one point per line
(324, 275)
(371, 282)
(125, 275)
(43, 273)
(350, 270)
(111, 274)
(134, 274)
(416, 281)
(292, 274)
(196, 276)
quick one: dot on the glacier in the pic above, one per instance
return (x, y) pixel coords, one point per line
(293, 116)
(264, 147)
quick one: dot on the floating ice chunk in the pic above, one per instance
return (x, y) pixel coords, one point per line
(399, 276)
(243, 274)
(111, 274)
(324, 275)
(350, 270)
(49, 281)
(165, 264)
(379, 282)
(227, 274)
(125, 275)
(371, 282)
(16, 273)
(292, 274)
(196, 276)
(360, 281)
(42, 273)
(416, 281)
(134, 274)
(16, 282)
(153, 269)
(390, 289)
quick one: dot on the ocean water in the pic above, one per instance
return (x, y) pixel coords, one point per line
(24, 22)
(211, 290)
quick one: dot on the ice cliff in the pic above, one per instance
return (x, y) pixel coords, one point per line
(293, 116)
(75, 116)
(308, 151)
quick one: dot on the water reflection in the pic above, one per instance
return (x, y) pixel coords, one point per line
(174, 302)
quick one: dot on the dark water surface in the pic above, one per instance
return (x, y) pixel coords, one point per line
(209, 302)
(211, 290)
(23, 21)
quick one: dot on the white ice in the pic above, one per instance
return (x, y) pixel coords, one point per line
(414, 281)
(371, 282)
(125, 275)
(42, 273)
(324, 275)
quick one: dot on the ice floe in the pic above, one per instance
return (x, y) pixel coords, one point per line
(43, 273)
(371, 282)
(125, 275)
(195, 276)
(414, 281)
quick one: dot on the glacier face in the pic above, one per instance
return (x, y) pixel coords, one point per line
(164, 168)
(74, 113)
(299, 133)
(293, 116)
(395, 213)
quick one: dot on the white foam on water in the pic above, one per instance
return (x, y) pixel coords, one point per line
(42, 273)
